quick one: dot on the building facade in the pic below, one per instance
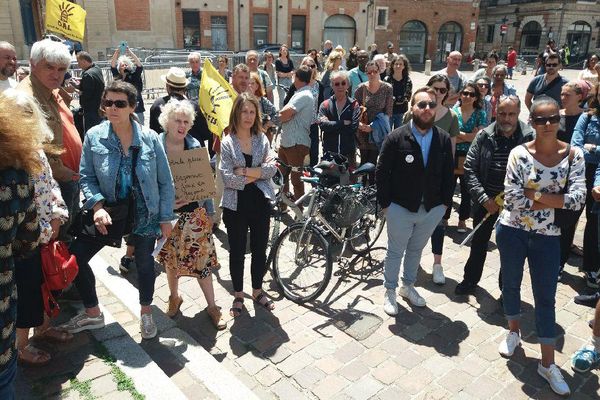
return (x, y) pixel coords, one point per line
(420, 28)
(530, 24)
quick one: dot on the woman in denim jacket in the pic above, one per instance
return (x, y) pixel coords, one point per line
(247, 166)
(106, 176)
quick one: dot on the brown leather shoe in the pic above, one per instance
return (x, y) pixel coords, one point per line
(174, 304)
(216, 317)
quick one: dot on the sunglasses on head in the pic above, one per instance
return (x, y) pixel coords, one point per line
(553, 119)
(424, 104)
(116, 103)
(339, 83)
(440, 90)
(552, 65)
(468, 94)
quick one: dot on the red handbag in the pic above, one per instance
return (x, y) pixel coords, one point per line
(60, 269)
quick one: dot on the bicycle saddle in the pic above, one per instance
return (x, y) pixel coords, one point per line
(364, 169)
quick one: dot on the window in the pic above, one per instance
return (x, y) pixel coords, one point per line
(261, 29)
(218, 32)
(490, 33)
(381, 20)
(191, 28)
(298, 32)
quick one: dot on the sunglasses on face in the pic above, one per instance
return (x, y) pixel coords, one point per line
(483, 85)
(468, 94)
(116, 103)
(440, 90)
(553, 119)
(552, 65)
(339, 83)
(424, 104)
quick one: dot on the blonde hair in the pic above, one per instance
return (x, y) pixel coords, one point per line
(236, 113)
(18, 145)
(173, 107)
(333, 56)
(260, 91)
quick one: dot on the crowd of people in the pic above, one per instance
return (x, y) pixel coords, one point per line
(521, 178)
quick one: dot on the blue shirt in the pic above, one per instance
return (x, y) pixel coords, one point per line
(423, 140)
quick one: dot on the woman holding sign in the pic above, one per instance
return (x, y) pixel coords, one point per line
(247, 166)
(189, 250)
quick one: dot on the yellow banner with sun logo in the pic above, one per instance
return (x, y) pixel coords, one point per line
(65, 18)
(216, 99)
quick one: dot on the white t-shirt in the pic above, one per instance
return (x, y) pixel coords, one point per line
(7, 84)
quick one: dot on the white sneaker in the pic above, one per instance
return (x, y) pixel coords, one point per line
(390, 305)
(509, 344)
(438, 274)
(555, 379)
(147, 326)
(410, 293)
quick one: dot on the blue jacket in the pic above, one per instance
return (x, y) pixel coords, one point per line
(381, 128)
(587, 131)
(100, 160)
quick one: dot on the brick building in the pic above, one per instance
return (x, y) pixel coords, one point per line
(420, 28)
(530, 24)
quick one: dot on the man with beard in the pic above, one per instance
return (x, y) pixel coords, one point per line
(8, 65)
(485, 168)
(358, 74)
(414, 187)
(549, 84)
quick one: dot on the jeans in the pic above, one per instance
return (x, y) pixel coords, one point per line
(314, 145)
(396, 121)
(70, 194)
(85, 282)
(7, 378)
(543, 256)
(408, 233)
(479, 246)
(591, 257)
(510, 72)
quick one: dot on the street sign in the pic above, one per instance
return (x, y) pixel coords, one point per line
(503, 29)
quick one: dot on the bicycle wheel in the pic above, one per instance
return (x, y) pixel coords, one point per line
(366, 231)
(301, 263)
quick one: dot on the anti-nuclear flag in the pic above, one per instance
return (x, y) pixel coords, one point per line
(216, 99)
(65, 18)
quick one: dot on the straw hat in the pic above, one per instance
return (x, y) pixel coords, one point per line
(175, 78)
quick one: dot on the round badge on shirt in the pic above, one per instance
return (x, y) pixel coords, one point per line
(409, 158)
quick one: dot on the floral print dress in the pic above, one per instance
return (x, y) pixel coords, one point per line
(525, 172)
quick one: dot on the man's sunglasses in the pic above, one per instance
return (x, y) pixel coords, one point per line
(116, 103)
(339, 83)
(424, 104)
(552, 65)
(553, 119)
(468, 94)
(441, 90)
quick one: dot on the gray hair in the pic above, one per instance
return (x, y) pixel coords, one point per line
(542, 101)
(125, 60)
(339, 74)
(194, 56)
(249, 52)
(176, 107)
(511, 98)
(7, 45)
(51, 51)
(29, 104)
(499, 67)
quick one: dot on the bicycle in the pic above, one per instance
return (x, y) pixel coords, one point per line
(302, 255)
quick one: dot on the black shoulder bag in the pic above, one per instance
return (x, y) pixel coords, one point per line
(564, 218)
(122, 214)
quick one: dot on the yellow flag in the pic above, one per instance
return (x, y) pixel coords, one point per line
(216, 99)
(65, 18)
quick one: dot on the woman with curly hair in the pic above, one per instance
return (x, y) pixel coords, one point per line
(397, 76)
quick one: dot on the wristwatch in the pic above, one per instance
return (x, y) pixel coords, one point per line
(537, 196)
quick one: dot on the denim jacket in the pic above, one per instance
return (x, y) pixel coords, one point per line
(100, 162)
(587, 130)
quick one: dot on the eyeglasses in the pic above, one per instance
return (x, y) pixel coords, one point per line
(468, 94)
(372, 72)
(424, 104)
(116, 103)
(552, 65)
(483, 85)
(553, 119)
(440, 90)
(339, 83)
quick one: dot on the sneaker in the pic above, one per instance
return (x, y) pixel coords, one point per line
(125, 265)
(591, 280)
(438, 274)
(589, 300)
(585, 359)
(555, 379)
(84, 322)
(390, 305)
(464, 288)
(410, 293)
(509, 344)
(147, 326)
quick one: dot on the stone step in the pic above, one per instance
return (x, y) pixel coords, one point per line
(181, 358)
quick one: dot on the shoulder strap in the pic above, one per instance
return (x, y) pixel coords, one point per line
(549, 86)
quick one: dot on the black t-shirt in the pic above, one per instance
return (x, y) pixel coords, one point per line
(251, 199)
(281, 67)
(567, 126)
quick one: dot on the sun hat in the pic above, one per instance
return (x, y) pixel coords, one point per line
(175, 77)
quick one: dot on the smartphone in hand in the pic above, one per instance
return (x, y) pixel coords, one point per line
(123, 47)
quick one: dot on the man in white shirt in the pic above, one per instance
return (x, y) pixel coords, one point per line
(8, 66)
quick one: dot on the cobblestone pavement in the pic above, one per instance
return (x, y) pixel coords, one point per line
(343, 346)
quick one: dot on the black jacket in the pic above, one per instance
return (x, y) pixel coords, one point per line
(337, 136)
(403, 179)
(91, 87)
(479, 158)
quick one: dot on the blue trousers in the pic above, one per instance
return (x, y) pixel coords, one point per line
(408, 233)
(543, 256)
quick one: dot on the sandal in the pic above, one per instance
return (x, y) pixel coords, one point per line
(268, 304)
(236, 311)
(54, 334)
(174, 305)
(216, 317)
(33, 357)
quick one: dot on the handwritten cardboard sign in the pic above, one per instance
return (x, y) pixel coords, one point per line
(192, 174)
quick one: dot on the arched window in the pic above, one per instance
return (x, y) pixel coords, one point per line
(449, 39)
(413, 41)
(578, 40)
(530, 37)
(340, 29)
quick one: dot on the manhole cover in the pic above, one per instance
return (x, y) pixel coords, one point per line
(358, 324)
